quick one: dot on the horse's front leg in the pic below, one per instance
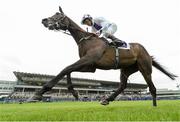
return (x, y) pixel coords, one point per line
(77, 66)
(70, 87)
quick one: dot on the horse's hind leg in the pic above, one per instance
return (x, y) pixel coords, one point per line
(70, 87)
(145, 67)
(151, 87)
(125, 73)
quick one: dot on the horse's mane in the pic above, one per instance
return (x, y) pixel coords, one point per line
(90, 34)
(93, 34)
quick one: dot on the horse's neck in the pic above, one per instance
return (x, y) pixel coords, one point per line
(76, 31)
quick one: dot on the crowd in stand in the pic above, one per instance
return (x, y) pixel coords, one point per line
(55, 97)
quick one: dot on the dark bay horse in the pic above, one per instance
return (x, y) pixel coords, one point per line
(95, 53)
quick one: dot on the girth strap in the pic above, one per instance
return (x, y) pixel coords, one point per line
(117, 57)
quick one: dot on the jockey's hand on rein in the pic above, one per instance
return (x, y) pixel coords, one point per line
(99, 32)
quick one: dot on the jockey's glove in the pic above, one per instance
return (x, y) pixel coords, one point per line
(99, 32)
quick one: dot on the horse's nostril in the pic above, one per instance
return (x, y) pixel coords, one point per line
(44, 20)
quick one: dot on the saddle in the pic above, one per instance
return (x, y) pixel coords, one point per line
(120, 45)
(117, 44)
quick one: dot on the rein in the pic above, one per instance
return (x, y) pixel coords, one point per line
(68, 27)
(80, 40)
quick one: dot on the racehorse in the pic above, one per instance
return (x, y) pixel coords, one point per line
(95, 53)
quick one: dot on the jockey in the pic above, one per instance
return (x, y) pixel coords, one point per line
(102, 28)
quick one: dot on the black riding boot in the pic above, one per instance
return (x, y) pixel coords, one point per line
(115, 41)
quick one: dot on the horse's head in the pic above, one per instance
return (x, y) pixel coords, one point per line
(59, 21)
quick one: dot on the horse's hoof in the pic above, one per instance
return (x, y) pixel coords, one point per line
(75, 94)
(35, 98)
(76, 98)
(104, 102)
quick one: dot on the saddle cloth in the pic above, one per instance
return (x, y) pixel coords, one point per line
(125, 45)
(118, 45)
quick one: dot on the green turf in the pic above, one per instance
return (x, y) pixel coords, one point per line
(86, 111)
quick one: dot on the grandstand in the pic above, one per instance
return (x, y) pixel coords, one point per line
(28, 83)
(6, 89)
(168, 94)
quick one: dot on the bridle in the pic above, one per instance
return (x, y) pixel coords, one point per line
(64, 25)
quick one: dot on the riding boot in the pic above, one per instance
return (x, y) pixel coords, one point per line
(115, 40)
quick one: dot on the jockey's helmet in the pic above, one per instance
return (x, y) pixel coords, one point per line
(86, 16)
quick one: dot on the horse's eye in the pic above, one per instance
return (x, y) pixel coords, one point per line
(56, 18)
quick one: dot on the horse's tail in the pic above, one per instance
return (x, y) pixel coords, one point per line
(162, 69)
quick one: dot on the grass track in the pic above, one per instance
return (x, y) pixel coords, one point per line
(87, 111)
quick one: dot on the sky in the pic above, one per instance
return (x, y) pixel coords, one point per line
(27, 46)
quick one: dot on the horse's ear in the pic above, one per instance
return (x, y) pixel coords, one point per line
(60, 10)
